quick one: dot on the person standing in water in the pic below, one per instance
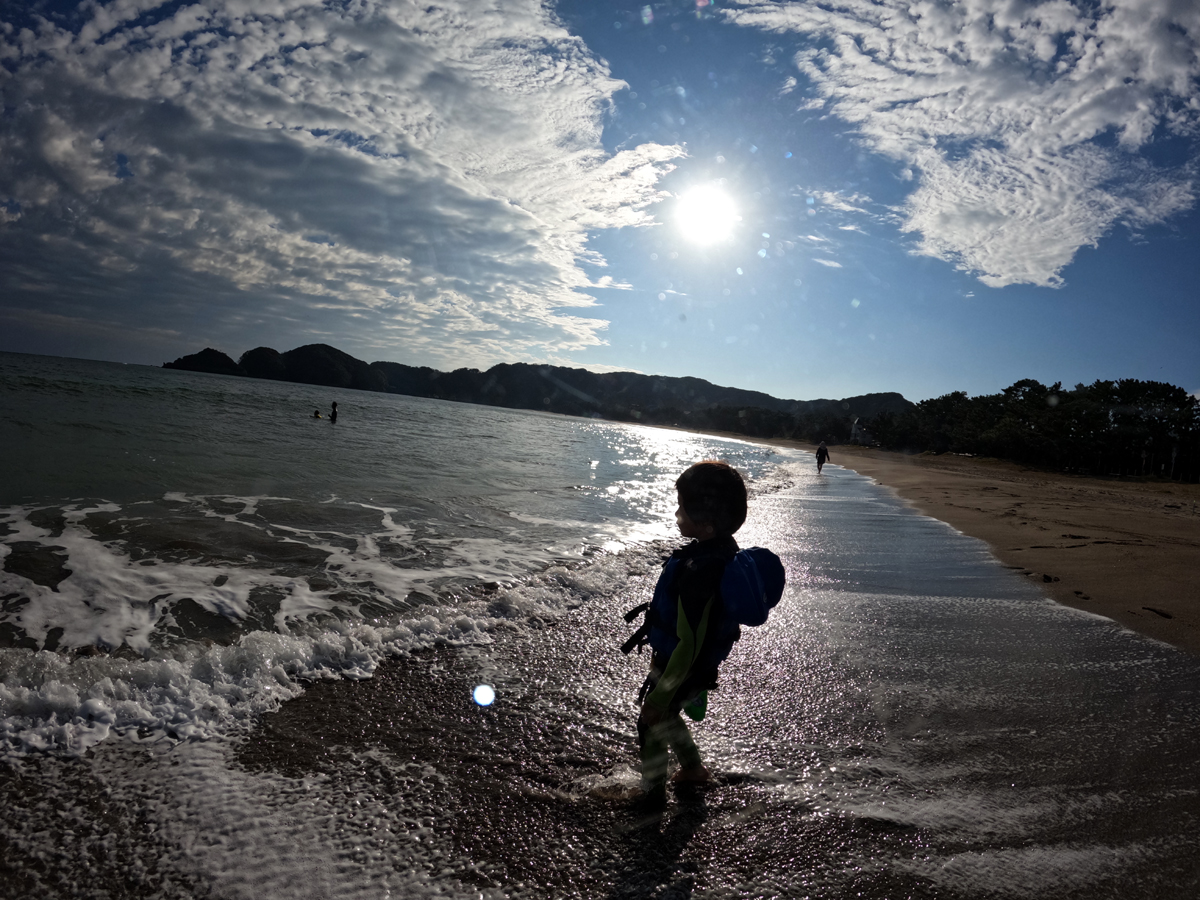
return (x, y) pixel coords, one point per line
(822, 456)
(333, 413)
(316, 414)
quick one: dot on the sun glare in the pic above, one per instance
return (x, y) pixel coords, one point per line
(706, 215)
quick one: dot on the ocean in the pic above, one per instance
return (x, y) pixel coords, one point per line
(239, 650)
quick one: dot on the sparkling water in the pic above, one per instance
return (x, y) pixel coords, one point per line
(242, 652)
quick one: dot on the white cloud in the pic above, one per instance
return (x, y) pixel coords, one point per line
(842, 202)
(1022, 122)
(415, 181)
(828, 262)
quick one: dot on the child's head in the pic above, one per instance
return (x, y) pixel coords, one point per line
(712, 493)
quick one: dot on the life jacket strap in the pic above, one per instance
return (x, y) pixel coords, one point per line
(641, 637)
(646, 688)
(636, 611)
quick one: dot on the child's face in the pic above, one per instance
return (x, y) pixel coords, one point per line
(689, 527)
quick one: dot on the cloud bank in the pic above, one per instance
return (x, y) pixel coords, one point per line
(414, 182)
(1026, 123)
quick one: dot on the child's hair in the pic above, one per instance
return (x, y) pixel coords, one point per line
(713, 493)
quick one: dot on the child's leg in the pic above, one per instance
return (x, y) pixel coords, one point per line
(681, 742)
(653, 742)
(652, 749)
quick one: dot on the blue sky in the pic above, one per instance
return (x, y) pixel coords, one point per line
(925, 197)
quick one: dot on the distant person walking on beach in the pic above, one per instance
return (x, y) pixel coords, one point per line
(333, 414)
(822, 457)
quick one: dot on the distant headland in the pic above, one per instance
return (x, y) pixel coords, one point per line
(620, 396)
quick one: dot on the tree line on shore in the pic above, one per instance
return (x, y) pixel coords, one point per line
(1125, 427)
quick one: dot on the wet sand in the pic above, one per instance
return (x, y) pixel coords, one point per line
(866, 743)
(1122, 548)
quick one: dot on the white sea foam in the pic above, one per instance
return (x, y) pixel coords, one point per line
(64, 704)
(114, 596)
(50, 701)
(109, 599)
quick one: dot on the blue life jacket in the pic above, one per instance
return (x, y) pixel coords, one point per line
(750, 586)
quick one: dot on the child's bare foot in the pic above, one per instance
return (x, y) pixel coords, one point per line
(697, 775)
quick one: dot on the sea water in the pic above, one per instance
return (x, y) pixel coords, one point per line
(239, 650)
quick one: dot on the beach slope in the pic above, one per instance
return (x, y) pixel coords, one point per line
(1121, 548)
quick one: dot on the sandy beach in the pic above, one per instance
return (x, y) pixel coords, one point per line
(1128, 550)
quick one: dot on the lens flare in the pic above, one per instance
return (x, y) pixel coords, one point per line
(706, 215)
(484, 694)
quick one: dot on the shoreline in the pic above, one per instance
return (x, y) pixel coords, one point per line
(1126, 550)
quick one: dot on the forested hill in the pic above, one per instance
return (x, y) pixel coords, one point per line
(623, 396)
(620, 395)
(1126, 427)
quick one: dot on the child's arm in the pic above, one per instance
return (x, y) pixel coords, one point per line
(680, 663)
(698, 591)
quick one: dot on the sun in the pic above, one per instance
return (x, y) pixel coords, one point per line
(706, 215)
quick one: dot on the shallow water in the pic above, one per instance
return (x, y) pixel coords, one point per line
(914, 721)
(217, 544)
